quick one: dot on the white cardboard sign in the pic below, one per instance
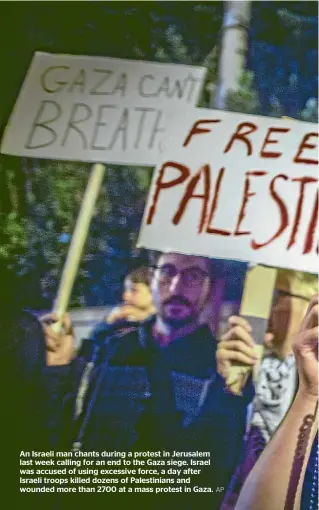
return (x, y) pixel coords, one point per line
(98, 109)
(238, 187)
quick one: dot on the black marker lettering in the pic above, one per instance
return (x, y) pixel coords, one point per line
(105, 76)
(141, 85)
(164, 87)
(72, 123)
(122, 128)
(44, 84)
(156, 129)
(99, 124)
(121, 84)
(141, 124)
(178, 89)
(44, 124)
(192, 87)
(79, 81)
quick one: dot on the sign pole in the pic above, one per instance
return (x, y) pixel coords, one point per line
(77, 243)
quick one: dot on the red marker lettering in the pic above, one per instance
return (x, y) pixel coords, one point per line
(197, 130)
(305, 145)
(189, 194)
(284, 220)
(303, 181)
(209, 229)
(243, 130)
(247, 194)
(268, 141)
(161, 184)
(312, 228)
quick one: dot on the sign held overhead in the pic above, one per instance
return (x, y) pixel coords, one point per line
(236, 186)
(98, 109)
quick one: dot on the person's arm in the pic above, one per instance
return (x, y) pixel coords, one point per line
(61, 375)
(253, 447)
(283, 463)
(267, 485)
(127, 312)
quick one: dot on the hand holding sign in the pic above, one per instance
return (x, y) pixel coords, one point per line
(237, 352)
(60, 346)
(236, 346)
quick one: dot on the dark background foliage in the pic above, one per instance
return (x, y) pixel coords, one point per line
(39, 200)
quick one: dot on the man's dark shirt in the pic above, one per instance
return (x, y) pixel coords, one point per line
(147, 398)
(143, 397)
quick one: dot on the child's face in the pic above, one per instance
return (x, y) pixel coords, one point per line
(137, 294)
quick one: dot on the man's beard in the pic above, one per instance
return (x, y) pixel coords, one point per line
(177, 322)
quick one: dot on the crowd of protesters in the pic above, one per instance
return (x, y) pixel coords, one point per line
(153, 378)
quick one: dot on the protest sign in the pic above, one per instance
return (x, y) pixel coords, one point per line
(236, 186)
(97, 109)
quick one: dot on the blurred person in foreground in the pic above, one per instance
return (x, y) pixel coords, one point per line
(157, 387)
(286, 474)
(277, 380)
(23, 394)
(23, 357)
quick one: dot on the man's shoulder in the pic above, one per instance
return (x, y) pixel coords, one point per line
(123, 340)
(204, 338)
(140, 331)
(103, 331)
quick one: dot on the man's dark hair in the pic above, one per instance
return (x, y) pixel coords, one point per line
(215, 266)
(140, 275)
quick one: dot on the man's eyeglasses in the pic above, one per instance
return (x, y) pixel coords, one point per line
(190, 276)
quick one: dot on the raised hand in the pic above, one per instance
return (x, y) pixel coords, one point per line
(60, 346)
(236, 346)
(305, 347)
